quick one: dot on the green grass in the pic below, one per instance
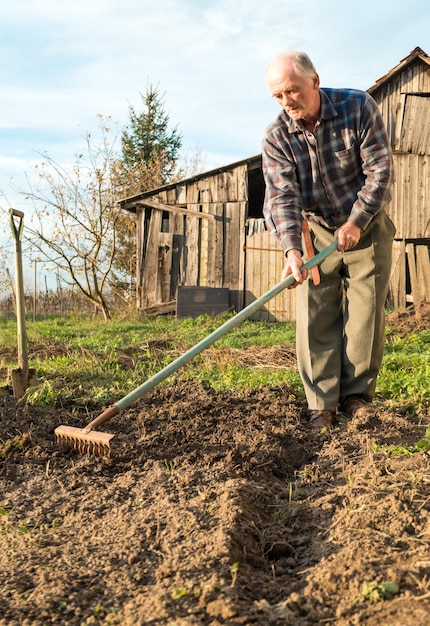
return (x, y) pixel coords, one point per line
(405, 449)
(80, 359)
(233, 376)
(405, 372)
(85, 360)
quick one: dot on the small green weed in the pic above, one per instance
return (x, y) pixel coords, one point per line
(179, 592)
(10, 526)
(234, 570)
(405, 450)
(43, 395)
(375, 592)
(62, 607)
(14, 444)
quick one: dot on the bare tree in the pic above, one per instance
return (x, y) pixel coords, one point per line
(77, 223)
(75, 217)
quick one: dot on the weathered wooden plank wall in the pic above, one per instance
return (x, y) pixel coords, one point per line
(202, 251)
(405, 106)
(390, 94)
(404, 101)
(264, 264)
(410, 275)
(149, 272)
(410, 205)
(397, 290)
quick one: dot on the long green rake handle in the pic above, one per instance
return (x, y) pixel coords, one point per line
(150, 383)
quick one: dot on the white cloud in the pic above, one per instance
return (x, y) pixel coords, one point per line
(68, 62)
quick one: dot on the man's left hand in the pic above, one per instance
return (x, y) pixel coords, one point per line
(348, 236)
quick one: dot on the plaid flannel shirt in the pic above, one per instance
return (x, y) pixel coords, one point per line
(341, 171)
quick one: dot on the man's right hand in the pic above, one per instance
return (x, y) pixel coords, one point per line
(294, 266)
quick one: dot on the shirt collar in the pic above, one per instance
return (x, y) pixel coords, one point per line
(327, 112)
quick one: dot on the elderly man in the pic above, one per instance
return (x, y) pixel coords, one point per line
(327, 164)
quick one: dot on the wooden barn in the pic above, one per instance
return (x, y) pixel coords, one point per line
(202, 245)
(203, 240)
(403, 95)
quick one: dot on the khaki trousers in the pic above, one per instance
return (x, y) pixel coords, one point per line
(341, 321)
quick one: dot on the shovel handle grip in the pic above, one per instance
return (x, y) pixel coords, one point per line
(17, 213)
(16, 230)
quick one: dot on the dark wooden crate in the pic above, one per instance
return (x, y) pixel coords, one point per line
(195, 301)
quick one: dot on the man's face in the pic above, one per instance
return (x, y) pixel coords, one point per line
(298, 95)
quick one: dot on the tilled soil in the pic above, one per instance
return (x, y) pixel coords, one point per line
(216, 508)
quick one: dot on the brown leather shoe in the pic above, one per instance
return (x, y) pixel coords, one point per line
(355, 406)
(321, 419)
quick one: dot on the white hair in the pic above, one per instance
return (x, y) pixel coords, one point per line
(300, 61)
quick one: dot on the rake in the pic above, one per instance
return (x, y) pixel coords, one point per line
(89, 441)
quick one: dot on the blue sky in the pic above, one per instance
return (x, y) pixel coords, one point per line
(64, 63)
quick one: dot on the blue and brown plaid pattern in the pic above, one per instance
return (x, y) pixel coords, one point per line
(340, 171)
